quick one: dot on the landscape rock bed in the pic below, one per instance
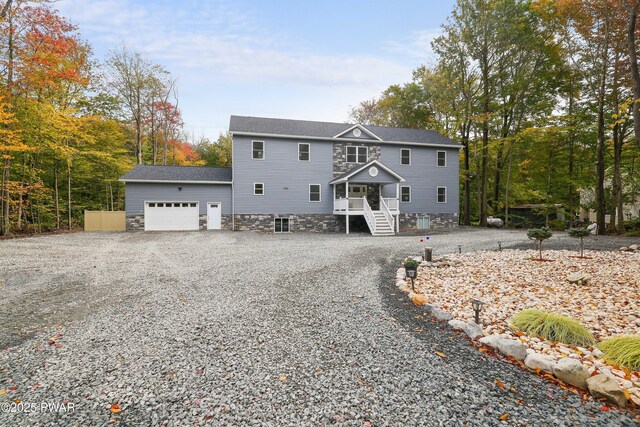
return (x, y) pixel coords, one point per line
(510, 281)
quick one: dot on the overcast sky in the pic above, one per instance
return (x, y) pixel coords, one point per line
(297, 59)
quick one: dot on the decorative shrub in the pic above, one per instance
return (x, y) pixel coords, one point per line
(539, 235)
(411, 263)
(580, 233)
(622, 351)
(553, 327)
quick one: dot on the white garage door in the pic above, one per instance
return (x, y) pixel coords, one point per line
(160, 216)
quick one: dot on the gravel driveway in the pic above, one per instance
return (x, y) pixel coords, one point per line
(249, 329)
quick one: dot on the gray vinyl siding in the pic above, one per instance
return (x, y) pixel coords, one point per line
(424, 176)
(286, 179)
(137, 193)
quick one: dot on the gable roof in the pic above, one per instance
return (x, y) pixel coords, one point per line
(180, 174)
(305, 129)
(361, 128)
(358, 169)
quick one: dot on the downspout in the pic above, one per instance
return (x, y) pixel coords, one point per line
(233, 190)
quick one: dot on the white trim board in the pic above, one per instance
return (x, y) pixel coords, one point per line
(362, 128)
(363, 167)
(360, 140)
(168, 181)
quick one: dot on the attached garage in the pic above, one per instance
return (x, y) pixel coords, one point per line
(178, 198)
(166, 216)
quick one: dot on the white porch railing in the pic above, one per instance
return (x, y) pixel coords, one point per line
(356, 205)
(368, 216)
(392, 203)
(348, 205)
(387, 215)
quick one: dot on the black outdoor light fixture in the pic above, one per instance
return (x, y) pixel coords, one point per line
(412, 273)
(179, 188)
(477, 306)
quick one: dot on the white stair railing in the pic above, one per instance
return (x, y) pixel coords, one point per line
(368, 215)
(387, 215)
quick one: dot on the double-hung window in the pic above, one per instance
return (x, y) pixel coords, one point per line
(257, 150)
(258, 188)
(442, 159)
(442, 194)
(405, 194)
(314, 192)
(405, 156)
(304, 152)
(356, 154)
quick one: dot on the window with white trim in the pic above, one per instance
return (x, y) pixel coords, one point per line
(405, 156)
(281, 225)
(405, 194)
(257, 150)
(258, 188)
(442, 159)
(442, 194)
(304, 152)
(356, 154)
(314, 192)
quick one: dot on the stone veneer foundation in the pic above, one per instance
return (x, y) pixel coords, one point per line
(314, 223)
(409, 221)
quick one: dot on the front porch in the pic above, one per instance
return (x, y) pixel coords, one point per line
(374, 195)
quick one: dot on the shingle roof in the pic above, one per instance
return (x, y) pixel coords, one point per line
(302, 128)
(177, 174)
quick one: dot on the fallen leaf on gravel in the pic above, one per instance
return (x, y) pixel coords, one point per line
(504, 417)
(500, 384)
(3, 392)
(115, 408)
(283, 378)
(444, 356)
(367, 424)
(604, 408)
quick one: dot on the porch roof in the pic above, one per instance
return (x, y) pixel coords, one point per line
(358, 170)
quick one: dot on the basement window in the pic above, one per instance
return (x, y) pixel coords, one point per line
(281, 225)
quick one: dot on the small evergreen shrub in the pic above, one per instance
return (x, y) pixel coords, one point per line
(580, 233)
(622, 351)
(411, 263)
(539, 235)
(553, 327)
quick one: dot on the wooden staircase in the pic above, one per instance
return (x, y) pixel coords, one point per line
(381, 225)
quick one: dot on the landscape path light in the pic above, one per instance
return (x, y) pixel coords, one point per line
(477, 306)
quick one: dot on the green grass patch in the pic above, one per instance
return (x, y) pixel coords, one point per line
(553, 327)
(622, 351)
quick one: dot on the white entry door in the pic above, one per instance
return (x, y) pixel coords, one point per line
(171, 216)
(214, 216)
(356, 190)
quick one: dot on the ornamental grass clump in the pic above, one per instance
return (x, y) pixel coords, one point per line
(553, 327)
(622, 351)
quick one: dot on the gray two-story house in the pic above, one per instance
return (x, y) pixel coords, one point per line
(294, 175)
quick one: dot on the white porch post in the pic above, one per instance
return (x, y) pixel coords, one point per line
(398, 202)
(334, 196)
(346, 194)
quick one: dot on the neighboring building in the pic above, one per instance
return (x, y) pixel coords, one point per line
(293, 175)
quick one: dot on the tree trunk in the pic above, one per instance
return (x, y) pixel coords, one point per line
(467, 178)
(571, 153)
(69, 193)
(485, 142)
(4, 222)
(601, 142)
(506, 191)
(633, 63)
(56, 194)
